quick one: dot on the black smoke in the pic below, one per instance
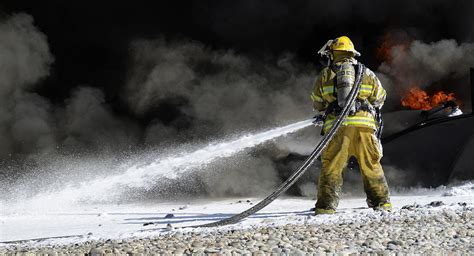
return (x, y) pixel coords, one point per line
(79, 79)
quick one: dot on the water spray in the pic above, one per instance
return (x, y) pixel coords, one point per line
(171, 167)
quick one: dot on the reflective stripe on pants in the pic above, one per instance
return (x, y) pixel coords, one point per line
(361, 143)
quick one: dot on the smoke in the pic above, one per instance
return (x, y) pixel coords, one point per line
(25, 54)
(25, 60)
(422, 64)
(187, 92)
(219, 92)
(29, 123)
(214, 90)
(212, 93)
(241, 176)
(281, 24)
(40, 140)
(90, 126)
(177, 92)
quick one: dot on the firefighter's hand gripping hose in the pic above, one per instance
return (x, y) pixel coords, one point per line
(307, 163)
(318, 120)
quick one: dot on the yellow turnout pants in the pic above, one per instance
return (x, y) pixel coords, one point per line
(361, 143)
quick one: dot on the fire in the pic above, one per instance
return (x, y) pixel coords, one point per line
(419, 99)
(393, 47)
(389, 41)
(383, 52)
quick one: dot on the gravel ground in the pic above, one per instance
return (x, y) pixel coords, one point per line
(433, 229)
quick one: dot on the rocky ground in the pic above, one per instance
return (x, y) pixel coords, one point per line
(432, 229)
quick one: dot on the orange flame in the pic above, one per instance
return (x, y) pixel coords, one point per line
(416, 98)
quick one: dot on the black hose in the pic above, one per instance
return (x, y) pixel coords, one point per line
(308, 162)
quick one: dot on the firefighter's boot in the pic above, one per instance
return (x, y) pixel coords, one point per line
(386, 207)
(324, 211)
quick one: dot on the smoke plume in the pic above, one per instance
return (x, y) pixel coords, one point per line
(29, 123)
(89, 125)
(25, 117)
(422, 64)
(214, 91)
(179, 92)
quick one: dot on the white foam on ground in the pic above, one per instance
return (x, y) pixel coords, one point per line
(463, 190)
(111, 187)
(108, 221)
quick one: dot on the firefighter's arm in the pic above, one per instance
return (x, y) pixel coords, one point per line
(319, 103)
(378, 95)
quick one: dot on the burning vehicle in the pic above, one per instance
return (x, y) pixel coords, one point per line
(438, 148)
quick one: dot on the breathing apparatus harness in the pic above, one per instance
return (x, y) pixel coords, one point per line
(359, 105)
(343, 83)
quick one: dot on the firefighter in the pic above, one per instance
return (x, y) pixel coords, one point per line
(357, 135)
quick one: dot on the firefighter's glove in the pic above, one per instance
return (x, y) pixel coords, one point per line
(318, 120)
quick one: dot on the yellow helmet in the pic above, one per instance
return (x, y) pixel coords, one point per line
(343, 43)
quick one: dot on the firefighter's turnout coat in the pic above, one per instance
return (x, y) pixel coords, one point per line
(355, 138)
(324, 92)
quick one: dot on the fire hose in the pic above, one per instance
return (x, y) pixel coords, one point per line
(307, 163)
